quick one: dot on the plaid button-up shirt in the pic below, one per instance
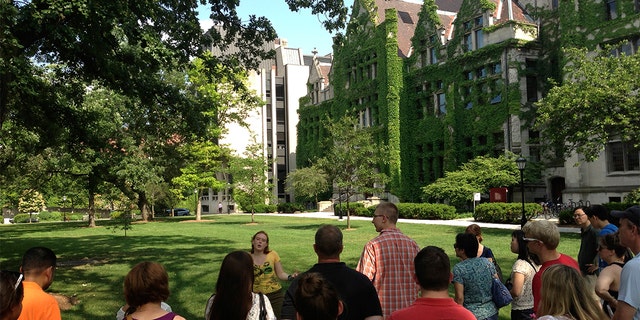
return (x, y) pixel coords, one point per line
(388, 261)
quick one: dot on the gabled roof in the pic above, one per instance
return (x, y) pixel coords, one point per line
(447, 19)
(408, 18)
(502, 13)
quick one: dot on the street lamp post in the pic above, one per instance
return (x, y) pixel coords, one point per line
(195, 194)
(521, 163)
(64, 202)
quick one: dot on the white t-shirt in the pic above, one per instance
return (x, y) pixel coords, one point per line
(254, 312)
(525, 300)
(630, 285)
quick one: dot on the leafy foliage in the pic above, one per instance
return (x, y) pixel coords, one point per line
(477, 175)
(506, 212)
(307, 182)
(597, 102)
(249, 174)
(353, 159)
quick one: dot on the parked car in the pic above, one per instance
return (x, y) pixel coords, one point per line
(177, 212)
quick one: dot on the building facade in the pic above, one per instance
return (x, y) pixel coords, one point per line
(446, 81)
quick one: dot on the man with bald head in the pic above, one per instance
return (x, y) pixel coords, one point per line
(356, 291)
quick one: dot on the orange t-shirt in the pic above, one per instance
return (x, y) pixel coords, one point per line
(37, 304)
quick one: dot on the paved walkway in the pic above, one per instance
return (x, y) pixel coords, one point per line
(458, 222)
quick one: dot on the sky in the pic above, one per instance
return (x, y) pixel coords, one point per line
(301, 29)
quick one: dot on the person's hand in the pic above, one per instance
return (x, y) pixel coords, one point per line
(591, 268)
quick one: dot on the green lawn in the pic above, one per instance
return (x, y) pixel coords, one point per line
(93, 261)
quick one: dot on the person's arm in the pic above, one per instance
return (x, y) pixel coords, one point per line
(624, 311)
(367, 262)
(288, 309)
(603, 283)
(283, 275)
(459, 295)
(517, 281)
(375, 318)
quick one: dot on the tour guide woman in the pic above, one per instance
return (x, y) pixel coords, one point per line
(267, 270)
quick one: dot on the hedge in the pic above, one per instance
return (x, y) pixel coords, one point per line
(290, 207)
(428, 211)
(500, 212)
(50, 216)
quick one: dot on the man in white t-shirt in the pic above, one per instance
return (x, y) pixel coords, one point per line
(629, 294)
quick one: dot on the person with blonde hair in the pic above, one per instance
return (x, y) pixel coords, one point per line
(565, 296)
(542, 238)
(145, 287)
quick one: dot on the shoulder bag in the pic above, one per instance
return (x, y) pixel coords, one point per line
(263, 309)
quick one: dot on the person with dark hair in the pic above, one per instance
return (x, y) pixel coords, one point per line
(473, 277)
(565, 296)
(234, 299)
(608, 283)
(599, 217)
(356, 291)
(38, 268)
(268, 271)
(11, 295)
(522, 274)
(483, 251)
(628, 306)
(316, 298)
(387, 260)
(145, 287)
(433, 272)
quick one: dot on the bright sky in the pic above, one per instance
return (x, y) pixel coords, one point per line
(301, 29)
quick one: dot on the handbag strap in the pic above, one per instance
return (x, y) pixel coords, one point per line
(263, 309)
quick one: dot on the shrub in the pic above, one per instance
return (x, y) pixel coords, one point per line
(75, 217)
(566, 216)
(355, 209)
(429, 211)
(50, 216)
(506, 212)
(290, 207)
(24, 218)
(116, 214)
(261, 208)
(620, 206)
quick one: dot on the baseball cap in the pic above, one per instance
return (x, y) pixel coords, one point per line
(631, 213)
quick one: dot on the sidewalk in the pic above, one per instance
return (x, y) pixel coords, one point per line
(458, 222)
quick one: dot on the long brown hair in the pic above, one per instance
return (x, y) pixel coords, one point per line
(233, 296)
(564, 292)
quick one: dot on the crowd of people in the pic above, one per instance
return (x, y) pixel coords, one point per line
(393, 279)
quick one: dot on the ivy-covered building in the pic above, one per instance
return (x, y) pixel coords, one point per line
(446, 81)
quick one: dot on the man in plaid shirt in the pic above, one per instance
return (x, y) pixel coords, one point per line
(388, 261)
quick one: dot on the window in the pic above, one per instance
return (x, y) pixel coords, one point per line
(442, 103)
(481, 73)
(433, 55)
(467, 42)
(554, 4)
(496, 68)
(479, 33)
(622, 156)
(469, 75)
(636, 5)
(612, 11)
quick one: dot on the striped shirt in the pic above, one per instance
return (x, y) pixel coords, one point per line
(388, 261)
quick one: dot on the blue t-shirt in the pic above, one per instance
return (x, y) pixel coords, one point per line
(476, 275)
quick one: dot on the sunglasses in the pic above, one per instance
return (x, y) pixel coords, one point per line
(16, 274)
(530, 239)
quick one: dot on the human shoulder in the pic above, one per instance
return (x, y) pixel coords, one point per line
(550, 317)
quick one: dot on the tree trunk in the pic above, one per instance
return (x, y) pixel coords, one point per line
(198, 207)
(92, 211)
(143, 206)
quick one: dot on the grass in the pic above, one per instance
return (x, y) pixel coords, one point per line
(93, 261)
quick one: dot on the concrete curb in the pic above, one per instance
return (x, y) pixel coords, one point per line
(458, 222)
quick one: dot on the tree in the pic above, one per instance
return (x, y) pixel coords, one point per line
(307, 182)
(249, 174)
(598, 101)
(353, 160)
(477, 175)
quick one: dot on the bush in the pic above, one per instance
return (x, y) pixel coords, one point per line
(24, 218)
(620, 206)
(566, 216)
(116, 214)
(75, 217)
(261, 208)
(355, 209)
(290, 207)
(429, 211)
(50, 216)
(506, 212)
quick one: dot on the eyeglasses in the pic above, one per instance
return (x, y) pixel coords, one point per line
(530, 239)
